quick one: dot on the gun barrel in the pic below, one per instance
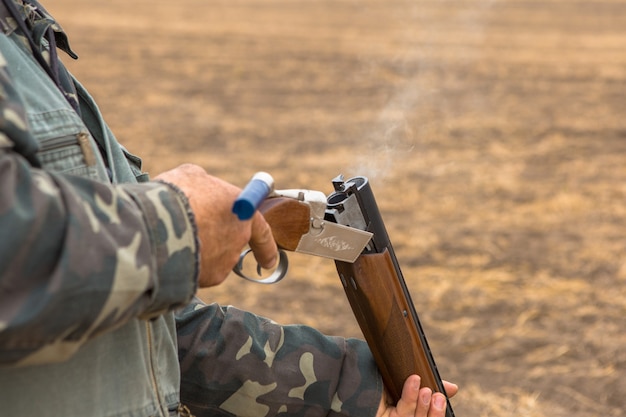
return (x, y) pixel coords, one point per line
(378, 293)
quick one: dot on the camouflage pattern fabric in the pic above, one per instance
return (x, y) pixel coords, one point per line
(82, 256)
(234, 363)
(73, 245)
(44, 31)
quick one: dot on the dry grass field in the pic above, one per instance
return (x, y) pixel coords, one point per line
(493, 133)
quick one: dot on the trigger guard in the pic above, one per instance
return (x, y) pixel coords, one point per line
(278, 273)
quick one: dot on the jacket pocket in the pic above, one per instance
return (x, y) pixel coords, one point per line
(70, 154)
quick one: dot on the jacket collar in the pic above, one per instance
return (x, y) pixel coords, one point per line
(34, 12)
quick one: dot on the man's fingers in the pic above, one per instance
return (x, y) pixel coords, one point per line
(422, 402)
(438, 403)
(262, 242)
(424, 398)
(451, 389)
(410, 393)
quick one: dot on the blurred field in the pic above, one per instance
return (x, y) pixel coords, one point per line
(493, 133)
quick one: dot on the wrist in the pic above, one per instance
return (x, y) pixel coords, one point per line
(171, 226)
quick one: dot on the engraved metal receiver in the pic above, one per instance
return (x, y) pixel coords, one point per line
(323, 238)
(297, 221)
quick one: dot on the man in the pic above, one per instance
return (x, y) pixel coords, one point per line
(95, 259)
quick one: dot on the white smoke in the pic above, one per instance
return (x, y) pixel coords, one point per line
(398, 133)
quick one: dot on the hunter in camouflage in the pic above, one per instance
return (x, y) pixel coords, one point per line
(96, 260)
(47, 213)
(291, 369)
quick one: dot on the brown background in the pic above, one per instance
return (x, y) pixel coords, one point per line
(493, 134)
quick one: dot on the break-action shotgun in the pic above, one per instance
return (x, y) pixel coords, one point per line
(347, 227)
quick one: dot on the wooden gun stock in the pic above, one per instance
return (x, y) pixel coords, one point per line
(288, 218)
(383, 313)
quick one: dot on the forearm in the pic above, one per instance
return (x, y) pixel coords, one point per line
(82, 257)
(233, 361)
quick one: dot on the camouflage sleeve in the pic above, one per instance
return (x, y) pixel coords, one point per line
(80, 257)
(234, 363)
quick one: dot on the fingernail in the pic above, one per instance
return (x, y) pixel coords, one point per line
(426, 395)
(272, 263)
(439, 401)
(416, 383)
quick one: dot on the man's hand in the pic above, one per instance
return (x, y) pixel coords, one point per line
(222, 235)
(416, 402)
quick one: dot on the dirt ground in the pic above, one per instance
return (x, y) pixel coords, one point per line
(493, 133)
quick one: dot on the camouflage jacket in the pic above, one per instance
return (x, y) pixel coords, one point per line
(95, 259)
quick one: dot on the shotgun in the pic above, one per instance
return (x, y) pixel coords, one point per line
(347, 226)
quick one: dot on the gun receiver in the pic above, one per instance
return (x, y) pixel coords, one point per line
(372, 279)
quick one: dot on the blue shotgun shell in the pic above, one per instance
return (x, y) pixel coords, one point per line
(253, 194)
